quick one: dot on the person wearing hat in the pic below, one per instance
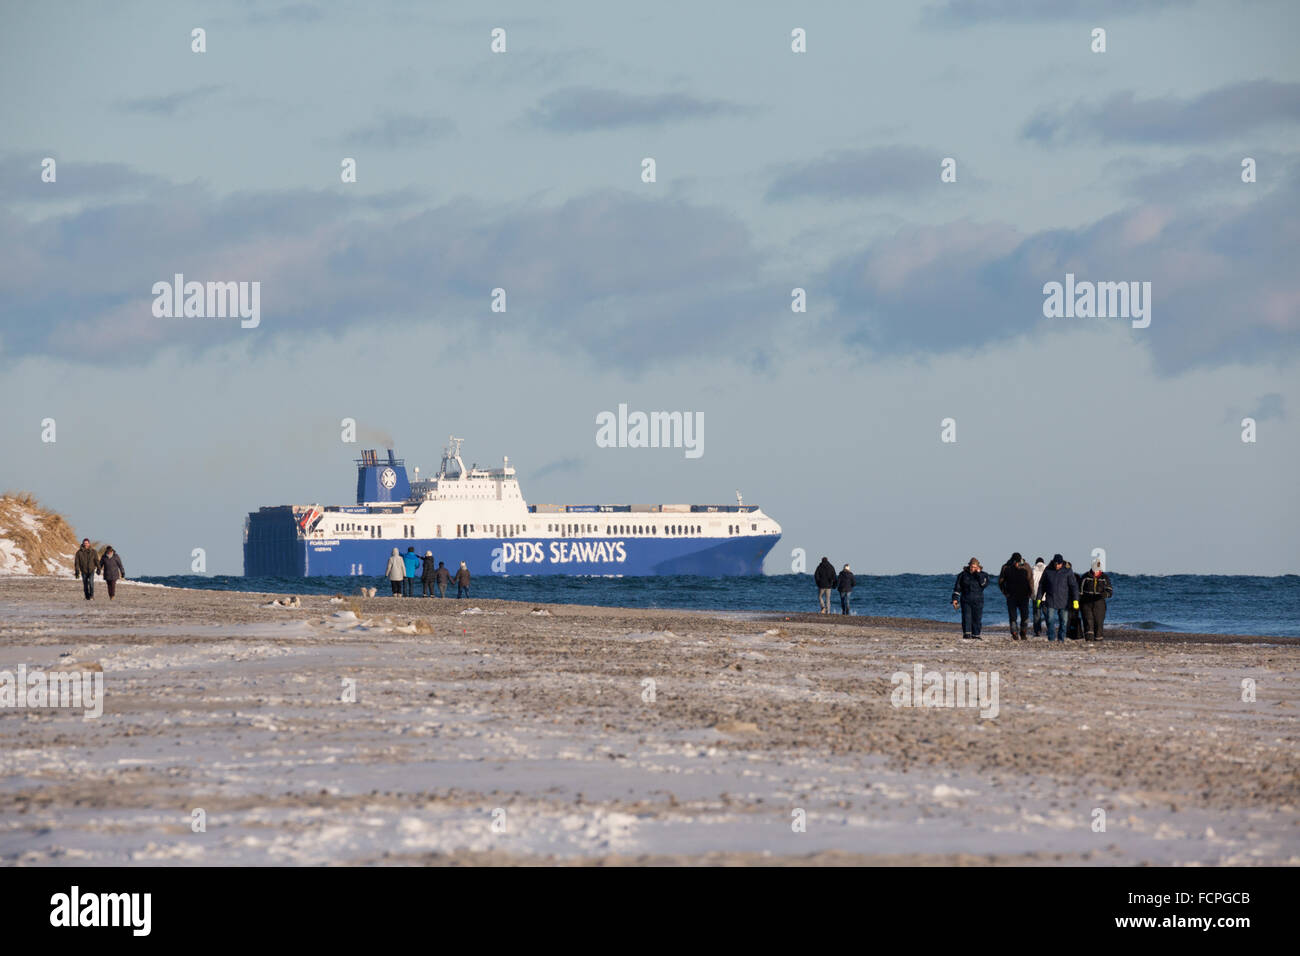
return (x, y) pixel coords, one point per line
(86, 563)
(1061, 592)
(110, 566)
(396, 572)
(1093, 592)
(462, 581)
(428, 574)
(1015, 583)
(968, 594)
(844, 584)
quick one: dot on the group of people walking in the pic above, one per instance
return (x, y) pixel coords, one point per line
(403, 569)
(1063, 602)
(827, 580)
(88, 562)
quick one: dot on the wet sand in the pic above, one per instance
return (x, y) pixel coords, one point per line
(499, 732)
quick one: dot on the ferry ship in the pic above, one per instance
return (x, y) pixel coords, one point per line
(479, 516)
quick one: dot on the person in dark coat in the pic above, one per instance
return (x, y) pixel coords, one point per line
(968, 594)
(110, 566)
(1094, 591)
(844, 584)
(824, 578)
(1058, 588)
(85, 564)
(428, 574)
(1016, 582)
(443, 577)
(1074, 630)
(462, 581)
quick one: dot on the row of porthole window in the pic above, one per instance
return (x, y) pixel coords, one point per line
(671, 529)
(462, 530)
(503, 530)
(374, 530)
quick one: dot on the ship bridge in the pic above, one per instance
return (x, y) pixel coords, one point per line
(455, 482)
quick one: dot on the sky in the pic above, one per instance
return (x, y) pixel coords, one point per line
(775, 170)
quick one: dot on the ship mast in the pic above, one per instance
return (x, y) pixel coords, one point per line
(451, 454)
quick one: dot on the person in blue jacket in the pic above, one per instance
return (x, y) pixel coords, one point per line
(968, 594)
(412, 562)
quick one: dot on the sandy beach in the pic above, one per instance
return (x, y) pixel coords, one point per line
(502, 732)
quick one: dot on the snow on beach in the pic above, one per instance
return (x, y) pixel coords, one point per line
(404, 731)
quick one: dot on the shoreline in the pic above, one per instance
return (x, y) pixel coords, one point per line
(995, 631)
(541, 715)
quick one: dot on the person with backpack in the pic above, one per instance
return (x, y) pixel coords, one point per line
(968, 594)
(1094, 591)
(824, 578)
(1060, 591)
(1015, 582)
(845, 584)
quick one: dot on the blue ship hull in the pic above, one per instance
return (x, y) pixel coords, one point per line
(274, 548)
(710, 557)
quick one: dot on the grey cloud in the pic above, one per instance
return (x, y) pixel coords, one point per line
(401, 131)
(170, 104)
(296, 13)
(1270, 406)
(1199, 176)
(626, 280)
(970, 12)
(559, 466)
(586, 108)
(20, 179)
(1231, 110)
(887, 170)
(1224, 287)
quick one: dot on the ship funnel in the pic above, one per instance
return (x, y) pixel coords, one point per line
(380, 481)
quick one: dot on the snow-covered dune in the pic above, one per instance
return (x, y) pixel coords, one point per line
(33, 540)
